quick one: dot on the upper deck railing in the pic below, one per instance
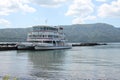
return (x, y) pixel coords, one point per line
(45, 28)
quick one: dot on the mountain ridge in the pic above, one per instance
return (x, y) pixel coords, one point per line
(98, 32)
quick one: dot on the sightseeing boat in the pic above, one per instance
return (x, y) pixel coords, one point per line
(47, 38)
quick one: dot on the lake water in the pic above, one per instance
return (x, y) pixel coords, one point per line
(78, 63)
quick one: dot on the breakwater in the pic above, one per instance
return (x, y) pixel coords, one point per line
(87, 44)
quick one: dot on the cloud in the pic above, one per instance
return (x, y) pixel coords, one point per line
(110, 10)
(101, 0)
(4, 22)
(78, 20)
(49, 3)
(80, 10)
(26, 8)
(90, 18)
(10, 6)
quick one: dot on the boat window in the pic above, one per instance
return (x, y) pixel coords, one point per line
(47, 41)
(43, 36)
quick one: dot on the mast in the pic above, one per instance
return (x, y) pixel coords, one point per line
(46, 22)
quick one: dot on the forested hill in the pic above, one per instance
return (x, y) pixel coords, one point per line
(14, 34)
(99, 32)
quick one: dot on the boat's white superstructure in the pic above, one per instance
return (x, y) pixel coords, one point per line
(47, 38)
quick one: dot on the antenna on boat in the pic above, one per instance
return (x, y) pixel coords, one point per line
(46, 21)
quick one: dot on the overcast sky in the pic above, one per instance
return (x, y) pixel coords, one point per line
(27, 13)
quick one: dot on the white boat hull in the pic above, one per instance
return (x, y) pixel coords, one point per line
(51, 47)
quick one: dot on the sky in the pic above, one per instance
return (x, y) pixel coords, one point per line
(27, 13)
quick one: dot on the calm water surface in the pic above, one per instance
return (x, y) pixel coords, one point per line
(78, 63)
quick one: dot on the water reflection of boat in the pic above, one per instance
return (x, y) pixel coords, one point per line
(46, 63)
(43, 60)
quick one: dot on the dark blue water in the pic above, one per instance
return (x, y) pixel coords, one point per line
(78, 63)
